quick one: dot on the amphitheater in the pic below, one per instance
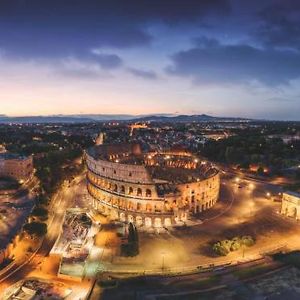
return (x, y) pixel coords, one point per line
(153, 189)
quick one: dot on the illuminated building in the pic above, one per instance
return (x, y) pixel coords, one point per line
(16, 166)
(158, 189)
(290, 205)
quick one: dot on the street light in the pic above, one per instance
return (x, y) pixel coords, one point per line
(251, 186)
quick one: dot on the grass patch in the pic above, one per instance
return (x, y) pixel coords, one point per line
(201, 283)
(291, 258)
(251, 272)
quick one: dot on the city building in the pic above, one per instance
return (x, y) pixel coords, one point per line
(16, 166)
(290, 206)
(154, 189)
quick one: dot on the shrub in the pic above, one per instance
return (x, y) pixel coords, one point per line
(247, 240)
(35, 228)
(235, 246)
(222, 248)
(40, 212)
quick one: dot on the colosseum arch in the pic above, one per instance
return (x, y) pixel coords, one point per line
(130, 190)
(130, 219)
(122, 189)
(167, 222)
(157, 208)
(122, 217)
(148, 222)
(139, 192)
(138, 206)
(115, 188)
(148, 193)
(148, 207)
(294, 212)
(139, 221)
(157, 222)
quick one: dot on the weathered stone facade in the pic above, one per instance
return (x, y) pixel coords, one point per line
(130, 193)
(290, 206)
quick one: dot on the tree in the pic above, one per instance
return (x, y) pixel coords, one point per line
(35, 228)
(247, 240)
(40, 212)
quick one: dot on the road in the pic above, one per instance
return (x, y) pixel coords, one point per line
(67, 197)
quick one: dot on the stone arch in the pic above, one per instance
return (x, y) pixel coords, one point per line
(139, 192)
(130, 190)
(139, 221)
(122, 217)
(168, 222)
(130, 205)
(130, 219)
(148, 222)
(157, 222)
(115, 188)
(148, 193)
(138, 206)
(122, 189)
(148, 207)
(294, 212)
(157, 208)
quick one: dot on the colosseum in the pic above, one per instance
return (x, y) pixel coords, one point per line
(154, 189)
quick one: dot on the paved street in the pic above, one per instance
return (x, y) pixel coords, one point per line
(68, 197)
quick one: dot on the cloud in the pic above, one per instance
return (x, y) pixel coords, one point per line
(35, 28)
(108, 61)
(217, 63)
(279, 24)
(283, 99)
(72, 67)
(146, 74)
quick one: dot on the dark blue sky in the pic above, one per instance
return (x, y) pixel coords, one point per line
(144, 56)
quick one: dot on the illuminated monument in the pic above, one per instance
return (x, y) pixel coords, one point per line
(157, 189)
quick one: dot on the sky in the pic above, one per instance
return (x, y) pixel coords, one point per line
(218, 57)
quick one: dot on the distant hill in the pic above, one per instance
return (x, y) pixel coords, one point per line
(188, 118)
(85, 118)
